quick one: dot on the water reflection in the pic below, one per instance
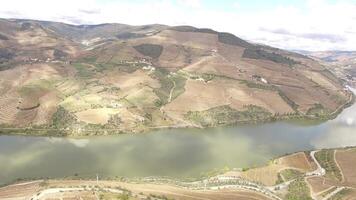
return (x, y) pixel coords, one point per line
(183, 152)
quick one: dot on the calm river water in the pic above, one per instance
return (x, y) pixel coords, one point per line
(175, 153)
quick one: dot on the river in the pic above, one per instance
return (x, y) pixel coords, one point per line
(175, 153)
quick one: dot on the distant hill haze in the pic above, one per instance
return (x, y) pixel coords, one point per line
(342, 63)
(110, 78)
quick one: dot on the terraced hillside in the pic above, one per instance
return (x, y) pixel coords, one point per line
(106, 79)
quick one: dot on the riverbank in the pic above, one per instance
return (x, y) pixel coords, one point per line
(84, 132)
(311, 166)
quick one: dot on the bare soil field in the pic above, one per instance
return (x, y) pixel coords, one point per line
(346, 160)
(170, 191)
(268, 175)
(19, 191)
(96, 116)
(318, 184)
(298, 161)
(225, 92)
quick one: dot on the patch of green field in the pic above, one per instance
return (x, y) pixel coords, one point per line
(112, 196)
(84, 71)
(75, 103)
(36, 87)
(298, 190)
(88, 59)
(179, 82)
(142, 97)
(166, 84)
(341, 195)
(291, 174)
(326, 160)
(119, 65)
(226, 115)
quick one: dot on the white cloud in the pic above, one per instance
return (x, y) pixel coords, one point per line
(190, 3)
(319, 26)
(236, 5)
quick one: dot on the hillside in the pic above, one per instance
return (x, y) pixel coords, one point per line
(103, 79)
(342, 63)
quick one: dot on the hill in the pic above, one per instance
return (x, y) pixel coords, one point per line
(63, 79)
(342, 63)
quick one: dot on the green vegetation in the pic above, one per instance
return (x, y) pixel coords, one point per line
(62, 118)
(230, 39)
(257, 53)
(84, 70)
(179, 82)
(291, 174)
(111, 196)
(150, 50)
(341, 195)
(166, 85)
(326, 160)
(298, 190)
(252, 84)
(279, 179)
(87, 59)
(227, 115)
(291, 103)
(192, 29)
(318, 110)
(5, 55)
(129, 35)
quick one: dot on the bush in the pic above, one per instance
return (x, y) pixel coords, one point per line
(257, 53)
(298, 190)
(62, 118)
(150, 50)
(228, 38)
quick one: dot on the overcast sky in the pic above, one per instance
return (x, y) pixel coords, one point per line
(288, 24)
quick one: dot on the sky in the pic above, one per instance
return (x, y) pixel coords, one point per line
(314, 25)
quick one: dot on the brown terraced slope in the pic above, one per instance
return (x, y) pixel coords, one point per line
(110, 78)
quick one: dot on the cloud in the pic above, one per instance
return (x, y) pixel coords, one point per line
(236, 5)
(190, 3)
(324, 37)
(313, 36)
(90, 11)
(276, 31)
(73, 20)
(317, 25)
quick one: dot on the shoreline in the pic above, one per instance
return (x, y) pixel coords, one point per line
(174, 179)
(210, 183)
(51, 132)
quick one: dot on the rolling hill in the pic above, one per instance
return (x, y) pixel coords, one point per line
(109, 78)
(342, 63)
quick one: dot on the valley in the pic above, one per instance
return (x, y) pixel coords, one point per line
(115, 111)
